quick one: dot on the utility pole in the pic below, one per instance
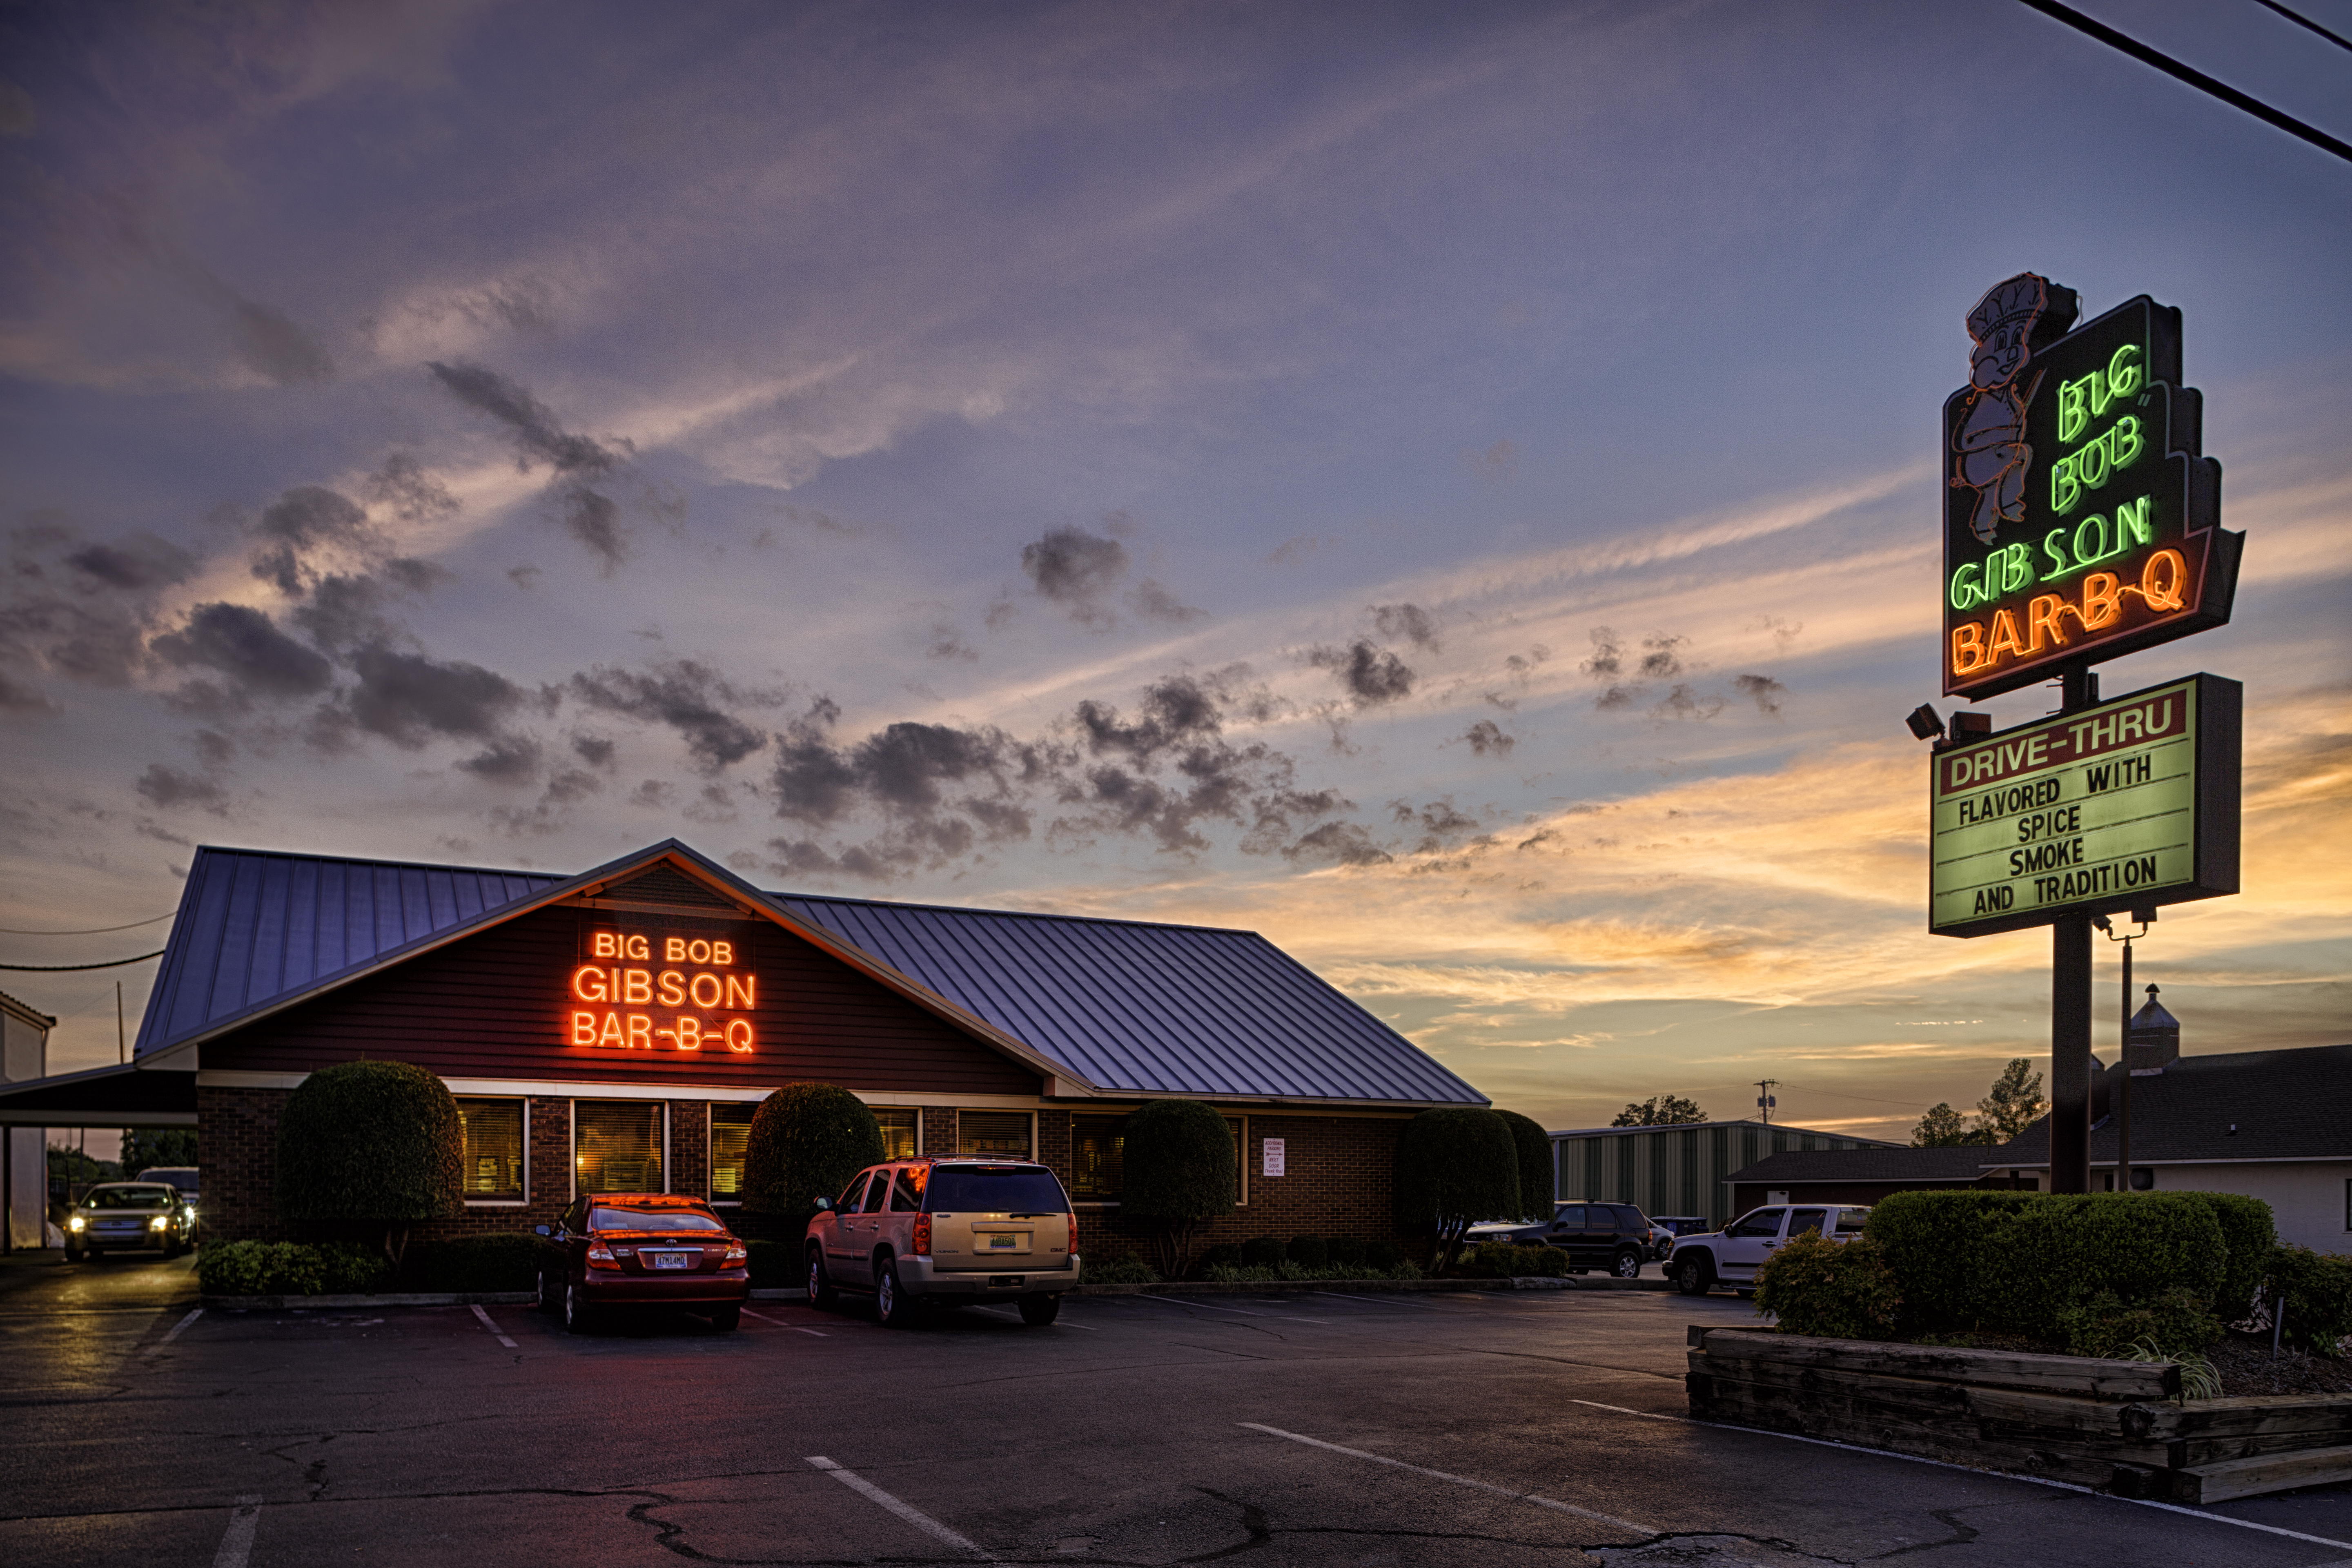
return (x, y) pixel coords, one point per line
(1765, 1098)
(2070, 1006)
(122, 1045)
(2122, 1097)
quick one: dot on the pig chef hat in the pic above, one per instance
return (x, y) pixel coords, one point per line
(2022, 298)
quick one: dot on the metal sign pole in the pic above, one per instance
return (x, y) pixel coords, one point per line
(2123, 1083)
(2070, 1008)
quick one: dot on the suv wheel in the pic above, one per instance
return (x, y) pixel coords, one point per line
(1692, 1276)
(893, 1307)
(1629, 1265)
(1039, 1310)
(820, 1283)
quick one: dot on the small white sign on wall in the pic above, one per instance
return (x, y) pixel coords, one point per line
(1273, 1156)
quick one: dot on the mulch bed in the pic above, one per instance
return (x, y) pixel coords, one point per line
(2246, 1367)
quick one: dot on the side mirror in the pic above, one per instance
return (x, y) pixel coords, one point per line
(825, 1203)
(542, 1230)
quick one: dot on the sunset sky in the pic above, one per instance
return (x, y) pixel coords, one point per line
(1454, 488)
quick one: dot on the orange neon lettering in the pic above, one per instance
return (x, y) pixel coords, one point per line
(2040, 615)
(673, 988)
(641, 1032)
(1967, 648)
(736, 1042)
(2004, 637)
(636, 987)
(2165, 595)
(611, 1032)
(606, 945)
(697, 951)
(588, 984)
(674, 949)
(723, 952)
(739, 991)
(2103, 601)
(638, 948)
(695, 990)
(689, 1032)
(584, 1028)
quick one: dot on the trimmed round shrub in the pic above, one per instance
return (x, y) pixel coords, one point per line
(2317, 1290)
(2176, 1323)
(807, 1140)
(1262, 1252)
(1837, 1290)
(1456, 1166)
(372, 1144)
(1178, 1175)
(1533, 1146)
(2250, 1232)
(1309, 1252)
(1345, 1252)
(1382, 1256)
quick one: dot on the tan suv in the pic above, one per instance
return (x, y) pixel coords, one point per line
(948, 1232)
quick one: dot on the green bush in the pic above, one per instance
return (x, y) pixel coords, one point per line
(1178, 1176)
(1224, 1255)
(348, 1269)
(1503, 1261)
(1345, 1252)
(807, 1140)
(376, 1144)
(2250, 1233)
(1932, 1240)
(508, 1260)
(1288, 1272)
(1456, 1166)
(1382, 1256)
(1262, 1252)
(2317, 1289)
(2175, 1322)
(1837, 1290)
(232, 1268)
(1309, 1252)
(1533, 1146)
(1125, 1269)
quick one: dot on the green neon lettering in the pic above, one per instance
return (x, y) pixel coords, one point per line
(2071, 416)
(2099, 552)
(2123, 377)
(2064, 489)
(1968, 588)
(2016, 569)
(2125, 441)
(2099, 393)
(2092, 462)
(2059, 564)
(2132, 525)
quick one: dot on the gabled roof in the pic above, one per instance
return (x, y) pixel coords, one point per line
(2285, 1105)
(1878, 1165)
(1114, 1007)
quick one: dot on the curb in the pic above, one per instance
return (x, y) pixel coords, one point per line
(403, 1298)
(1368, 1287)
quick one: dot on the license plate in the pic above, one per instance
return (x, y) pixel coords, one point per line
(667, 1260)
(1002, 1241)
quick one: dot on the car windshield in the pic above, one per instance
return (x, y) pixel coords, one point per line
(993, 1189)
(128, 1198)
(604, 1218)
(184, 1178)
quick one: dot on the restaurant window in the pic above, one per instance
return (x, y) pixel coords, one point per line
(1239, 1125)
(898, 1133)
(494, 1150)
(616, 1145)
(730, 1136)
(1005, 1132)
(1098, 1151)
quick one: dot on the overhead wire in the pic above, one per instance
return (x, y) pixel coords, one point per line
(2337, 38)
(93, 931)
(68, 968)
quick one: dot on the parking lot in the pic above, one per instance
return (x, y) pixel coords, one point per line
(1332, 1427)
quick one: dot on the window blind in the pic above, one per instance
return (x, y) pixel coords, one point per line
(618, 1145)
(898, 1133)
(992, 1132)
(730, 1136)
(1097, 1157)
(493, 1131)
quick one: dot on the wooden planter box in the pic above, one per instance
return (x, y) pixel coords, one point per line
(2118, 1425)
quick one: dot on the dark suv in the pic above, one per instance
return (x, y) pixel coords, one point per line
(1616, 1236)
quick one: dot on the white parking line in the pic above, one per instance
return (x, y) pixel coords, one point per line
(494, 1328)
(782, 1324)
(238, 1544)
(176, 1331)
(1457, 1480)
(914, 1516)
(1971, 1470)
(1240, 1311)
(1001, 1313)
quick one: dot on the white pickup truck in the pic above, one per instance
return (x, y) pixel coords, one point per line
(1728, 1259)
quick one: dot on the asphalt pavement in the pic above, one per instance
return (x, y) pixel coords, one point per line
(1331, 1428)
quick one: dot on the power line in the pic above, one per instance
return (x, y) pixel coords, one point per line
(66, 968)
(94, 931)
(2305, 21)
(2192, 76)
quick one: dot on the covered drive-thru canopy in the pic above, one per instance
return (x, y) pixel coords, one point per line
(127, 1095)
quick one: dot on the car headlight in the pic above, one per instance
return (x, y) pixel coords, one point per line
(76, 1223)
(161, 1222)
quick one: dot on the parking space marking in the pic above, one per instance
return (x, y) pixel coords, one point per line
(779, 1322)
(494, 1328)
(238, 1544)
(1971, 1470)
(1001, 1313)
(1242, 1311)
(1457, 1480)
(177, 1329)
(912, 1515)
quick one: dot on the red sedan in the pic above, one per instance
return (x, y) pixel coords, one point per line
(642, 1249)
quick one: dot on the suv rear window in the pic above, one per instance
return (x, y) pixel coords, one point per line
(993, 1189)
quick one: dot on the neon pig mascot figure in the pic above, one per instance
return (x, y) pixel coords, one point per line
(1993, 457)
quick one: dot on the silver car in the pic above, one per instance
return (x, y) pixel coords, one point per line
(119, 1216)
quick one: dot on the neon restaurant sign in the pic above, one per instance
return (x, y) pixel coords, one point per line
(2080, 517)
(651, 991)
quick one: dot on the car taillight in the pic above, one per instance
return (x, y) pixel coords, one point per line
(922, 1235)
(1074, 1236)
(736, 1253)
(601, 1256)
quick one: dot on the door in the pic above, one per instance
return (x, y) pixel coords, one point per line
(897, 1232)
(1748, 1241)
(1804, 1220)
(1567, 1230)
(841, 1235)
(1596, 1243)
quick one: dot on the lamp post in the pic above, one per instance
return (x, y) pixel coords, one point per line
(2123, 1045)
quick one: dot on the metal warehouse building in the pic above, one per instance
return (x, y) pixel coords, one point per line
(1676, 1170)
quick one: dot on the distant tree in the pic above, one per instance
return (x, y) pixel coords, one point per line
(2014, 1103)
(1458, 1166)
(1533, 1146)
(1944, 1128)
(1666, 1111)
(144, 1148)
(372, 1144)
(807, 1140)
(1178, 1175)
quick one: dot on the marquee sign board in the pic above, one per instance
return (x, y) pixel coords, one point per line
(636, 988)
(2121, 806)
(2081, 521)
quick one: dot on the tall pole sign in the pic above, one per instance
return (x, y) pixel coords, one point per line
(2082, 521)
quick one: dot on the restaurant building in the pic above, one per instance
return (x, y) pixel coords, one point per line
(616, 1030)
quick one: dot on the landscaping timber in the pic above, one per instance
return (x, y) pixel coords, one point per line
(2118, 1425)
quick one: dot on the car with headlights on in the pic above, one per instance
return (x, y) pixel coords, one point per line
(184, 1179)
(944, 1231)
(123, 1217)
(632, 1251)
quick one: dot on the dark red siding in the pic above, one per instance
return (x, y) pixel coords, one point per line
(498, 1005)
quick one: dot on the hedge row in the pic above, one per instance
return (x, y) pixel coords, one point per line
(1502, 1261)
(1311, 1252)
(470, 1263)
